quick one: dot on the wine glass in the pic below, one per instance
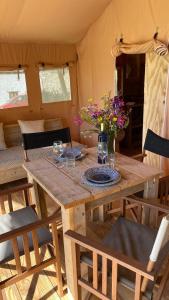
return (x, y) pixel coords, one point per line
(102, 152)
(58, 150)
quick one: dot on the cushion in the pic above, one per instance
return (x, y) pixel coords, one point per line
(133, 240)
(15, 220)
(2, 140)
(31, 126)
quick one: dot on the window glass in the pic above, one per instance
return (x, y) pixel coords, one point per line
(55, 85)
(13, 91)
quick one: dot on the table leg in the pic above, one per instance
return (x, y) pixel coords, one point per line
(37, 197)
(150, 192)
(74, 219)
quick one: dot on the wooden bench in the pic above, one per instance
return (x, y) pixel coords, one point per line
(12, 158)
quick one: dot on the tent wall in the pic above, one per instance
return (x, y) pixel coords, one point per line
(31, 55)
(136, 21)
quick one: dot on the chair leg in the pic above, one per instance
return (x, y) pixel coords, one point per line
(3, 295)
(2, 204)
(58, 273)
(162, 284)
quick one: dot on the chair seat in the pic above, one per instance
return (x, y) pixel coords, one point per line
(133, 240)
(15, 220)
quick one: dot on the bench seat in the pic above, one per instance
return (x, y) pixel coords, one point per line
(11, 161)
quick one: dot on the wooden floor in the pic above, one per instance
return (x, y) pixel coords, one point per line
(43, 286)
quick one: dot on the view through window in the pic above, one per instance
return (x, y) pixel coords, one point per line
(13, 91)
(55, 84)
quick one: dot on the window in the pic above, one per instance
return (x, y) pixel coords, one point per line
(13, 91)
(55, 84)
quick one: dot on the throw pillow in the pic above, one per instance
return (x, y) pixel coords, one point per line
(31, 126)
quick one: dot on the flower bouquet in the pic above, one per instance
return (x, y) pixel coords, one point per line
(110, 115)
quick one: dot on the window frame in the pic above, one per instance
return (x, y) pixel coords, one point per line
(16, 68)
(50, 67)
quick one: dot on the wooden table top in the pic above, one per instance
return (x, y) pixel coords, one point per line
(67, 188)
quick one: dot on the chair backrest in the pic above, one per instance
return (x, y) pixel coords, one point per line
(156, 144)
(159, 244)
(21, 240)
(104, 260)
(40, 263)
(161, 239)
(45, 139)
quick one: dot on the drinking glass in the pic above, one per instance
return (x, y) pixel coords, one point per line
(102, 152)
(70, 160)
(111, 160)
(58, 150)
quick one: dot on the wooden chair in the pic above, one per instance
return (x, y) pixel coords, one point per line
(22, 232)
(44, 139)
(131, 254)
(160, 146)
(154, 143)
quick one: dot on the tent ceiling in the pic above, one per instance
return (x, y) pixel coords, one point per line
(60, 21)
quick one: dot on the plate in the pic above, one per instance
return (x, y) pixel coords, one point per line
(75, 151)
(101, 175)
(63, 157)
(100, 185)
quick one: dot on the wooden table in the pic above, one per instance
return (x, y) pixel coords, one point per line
(66, 187)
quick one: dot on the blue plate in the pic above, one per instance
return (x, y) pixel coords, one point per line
(74, 150)
(102, 175)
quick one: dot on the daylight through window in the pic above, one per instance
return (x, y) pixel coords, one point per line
(13, 91)
(55, 85)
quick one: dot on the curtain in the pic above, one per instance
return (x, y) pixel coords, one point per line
(154, 45)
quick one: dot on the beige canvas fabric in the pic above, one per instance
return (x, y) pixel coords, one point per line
(61, 21)
(2, 140)
(31, 126)
(30, 55)
(137, 23)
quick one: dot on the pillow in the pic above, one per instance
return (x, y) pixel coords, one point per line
(31, 126)
(2, 140)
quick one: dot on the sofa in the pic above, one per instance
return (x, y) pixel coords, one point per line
(12, 158)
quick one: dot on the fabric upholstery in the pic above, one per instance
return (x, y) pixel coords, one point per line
(31, 126)
(2, 140)
(11, 161)
(156, 144)
(133, 240)
(44, 139)
(15, 220)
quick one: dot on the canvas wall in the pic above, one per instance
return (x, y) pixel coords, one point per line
(136, 21)
(30, 55)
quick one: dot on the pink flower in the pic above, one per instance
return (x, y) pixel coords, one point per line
(78, 121)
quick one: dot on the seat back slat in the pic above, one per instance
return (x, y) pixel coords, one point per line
(137, 294)
(16, 255)
(95, 270)
(57, 254)
(26, 251)
(104, 275)
(10, 202)
(114, 279)
(36, 246)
